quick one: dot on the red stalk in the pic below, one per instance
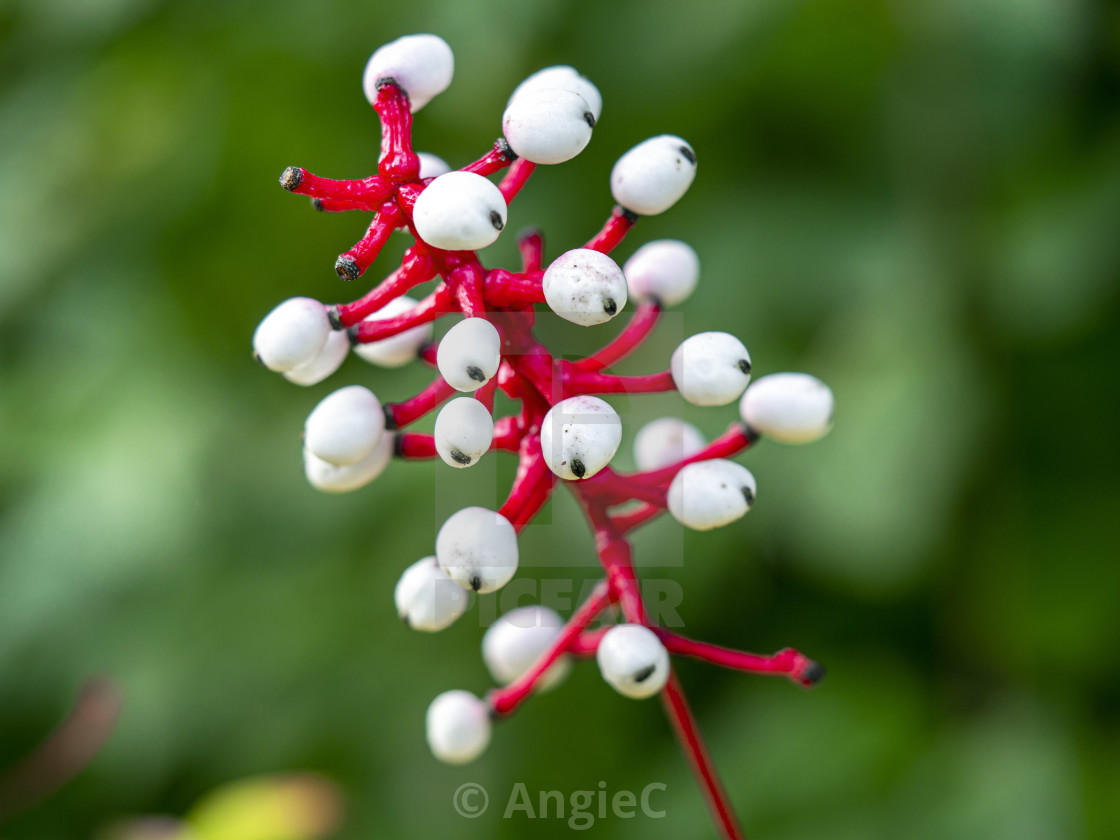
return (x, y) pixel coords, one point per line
(398, 163)
(633, 334)
(613, 231)
(516, 178)
(440, 302)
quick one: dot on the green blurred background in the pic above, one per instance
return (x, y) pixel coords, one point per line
(918, 201)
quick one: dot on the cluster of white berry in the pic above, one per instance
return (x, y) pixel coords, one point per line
(347, 443)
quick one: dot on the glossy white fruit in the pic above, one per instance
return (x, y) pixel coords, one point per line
(464, 429)
(345, 426)
(292, 334)
(396, 350)
(460, 211)
(632, 659)
(665, 270)
(458, 727)
(477, 548)
(332, 478)
(584, 287)
(652, 176)
(711, 368)
(788, 407)
(579, 436)
(328, 360)
(710, 494)
(470, 354)
(426, 598)
(548, 126)
(666, 441)
(421, 64)
(566, 78)
(516, 640)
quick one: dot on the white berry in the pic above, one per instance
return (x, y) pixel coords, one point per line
(459, 211)
(548, 126)
(464, 429)
(711, 368)
(396, 350)
(633, 660)
(788, 407)
(432, 166)
(652, 176)
(345, 426)
(421, 64)
(584, 287)
(666, 441)
(292, 334)
(469, 355)
(458, 727)
(566, 78)
(426, 598)
(332, 478)
(516, 640)
(710, 494)
(579, 436)
(329, 359)
(665, 270)
(478, 549)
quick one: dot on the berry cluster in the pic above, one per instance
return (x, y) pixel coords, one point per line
(564, 430)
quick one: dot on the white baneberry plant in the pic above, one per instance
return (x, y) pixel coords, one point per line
(564, 431)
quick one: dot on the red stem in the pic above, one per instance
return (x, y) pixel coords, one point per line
(577, 381)
(440, 302)
(731, 442)
(403, 413)
(786, 662)
(613, 231)
(415, 446)
(516, 178)
(505, 288)
(531, 245)
(338, 205)
(493, 161)
(692, 744)
(531, 486)
(353, 263)
(504, 701)
(398, 163)
(416, 268)
(641, 325)
(371, 191)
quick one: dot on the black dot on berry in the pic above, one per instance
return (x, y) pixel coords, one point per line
(589, 118)
(578, 469)
(644, 674)
(609, 306)
(688, 153)
(475, 373)
(459, 458)
(317, 204)
(476, 582)
(260, 361)
(744, 366)
(496, 220)
(748, 494)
